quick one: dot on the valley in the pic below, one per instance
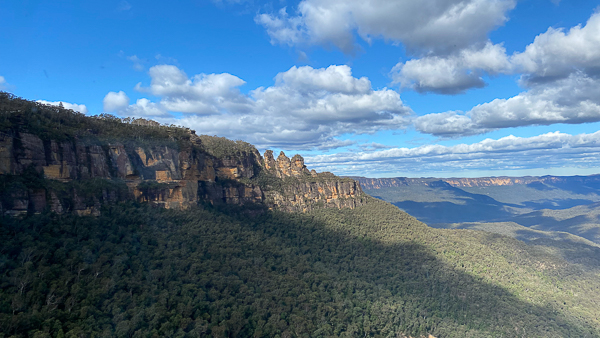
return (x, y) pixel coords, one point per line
(128, 228)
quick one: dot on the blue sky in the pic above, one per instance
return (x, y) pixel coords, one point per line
(372, 88)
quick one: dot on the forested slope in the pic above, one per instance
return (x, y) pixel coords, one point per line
(234, 272)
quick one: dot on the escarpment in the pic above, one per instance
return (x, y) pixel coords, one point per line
(299, 189)
(58, 160)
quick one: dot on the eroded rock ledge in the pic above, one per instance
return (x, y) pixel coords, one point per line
(304, 190)
(80, 177)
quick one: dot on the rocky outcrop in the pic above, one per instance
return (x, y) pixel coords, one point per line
(177, 174)
(306, 196)
(235, 194)
(283, 166)
(304, 190)
(93, 174)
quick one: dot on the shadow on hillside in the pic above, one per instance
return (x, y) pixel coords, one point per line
(448, 212)
(237, 272)
(556, 204)
(585, 256)
(579, 186)
(414, 289)
(539, 186)
(574, 225)
(473, 208)
(462, 206)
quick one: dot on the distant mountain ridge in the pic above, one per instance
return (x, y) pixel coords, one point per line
(378, 183)
(558, 205)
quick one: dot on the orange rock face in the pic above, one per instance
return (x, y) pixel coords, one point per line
(167, 177)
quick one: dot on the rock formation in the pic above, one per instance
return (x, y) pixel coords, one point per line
(89, 174)
(304, 190)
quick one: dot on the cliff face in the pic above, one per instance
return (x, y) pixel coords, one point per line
(160, 175)
(80, 176)
(304, 190)
(307, 196)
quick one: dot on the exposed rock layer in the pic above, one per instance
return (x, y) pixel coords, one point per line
(161, 175)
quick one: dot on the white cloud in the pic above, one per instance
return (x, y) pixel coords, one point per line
(3, 84)
(572, 100)
(447, 124)
(201, 94)
(452, 74)
(551, 150)
(556, 54)
(552, 56)
(115, 101)
(331, 95)
(137, 62)
(305, 108)
(372, 146)
(165, 59)
(333, 79)
(145, 108)
(448, 38)
(561, 69)
(440, 26)
(282, 28)
(76, 107)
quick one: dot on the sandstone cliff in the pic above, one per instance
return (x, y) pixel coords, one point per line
(55, 159)
(302, 190)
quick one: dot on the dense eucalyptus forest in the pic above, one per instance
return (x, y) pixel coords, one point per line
(375, 271)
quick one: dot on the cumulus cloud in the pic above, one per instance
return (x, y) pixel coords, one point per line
(452, 74)
(334, 79)
(572, 100)
(551, 150)
(201, 94)
(115, 101)
(552, 56)
(441, 26)
(331, 95)
(146, 108)
(556, 54)
(3, 84)
(306, 108)
(560, 69)
(76, 107)
(447, 124)
(282, 28)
